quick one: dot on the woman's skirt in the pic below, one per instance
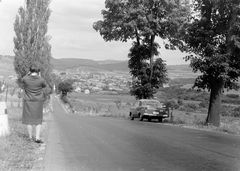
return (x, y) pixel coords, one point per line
(32, 112)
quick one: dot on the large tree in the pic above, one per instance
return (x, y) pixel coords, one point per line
(143, 21)
(31, 43)
(213, 39)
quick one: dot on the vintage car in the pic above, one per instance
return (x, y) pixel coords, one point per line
(148, 109)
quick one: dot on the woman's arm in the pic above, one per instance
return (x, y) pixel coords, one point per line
(44, 83)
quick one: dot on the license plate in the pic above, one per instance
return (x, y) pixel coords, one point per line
(155, 112)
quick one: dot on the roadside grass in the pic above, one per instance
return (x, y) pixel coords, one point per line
(229, 125)
(119, 106)
(17, 153)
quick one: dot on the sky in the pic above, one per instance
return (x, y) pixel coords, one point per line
(72, 34)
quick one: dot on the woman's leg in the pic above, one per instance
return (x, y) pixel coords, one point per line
(38, 131)
(29, 128)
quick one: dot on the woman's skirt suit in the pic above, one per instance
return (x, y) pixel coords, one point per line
(33, 98)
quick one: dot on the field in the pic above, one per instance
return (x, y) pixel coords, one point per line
(119, 106)
(100, 104)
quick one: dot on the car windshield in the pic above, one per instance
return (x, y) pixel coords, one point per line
(151, 103)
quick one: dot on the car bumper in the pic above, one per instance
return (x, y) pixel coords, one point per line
(155, 115)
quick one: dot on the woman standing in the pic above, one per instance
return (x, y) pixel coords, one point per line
(33, 98)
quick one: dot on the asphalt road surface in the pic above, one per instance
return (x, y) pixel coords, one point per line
(91, 143)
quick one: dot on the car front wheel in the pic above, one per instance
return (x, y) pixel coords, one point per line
(131, 117)
(159, 119)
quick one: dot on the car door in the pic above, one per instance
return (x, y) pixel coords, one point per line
(135, 109)
(139, 108)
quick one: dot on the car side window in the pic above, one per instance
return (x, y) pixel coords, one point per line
(136, 104)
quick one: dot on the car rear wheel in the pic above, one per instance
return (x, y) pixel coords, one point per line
(149, 119)
(141, 117)
(159, 119)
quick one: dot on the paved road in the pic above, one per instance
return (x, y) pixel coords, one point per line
(91, 143)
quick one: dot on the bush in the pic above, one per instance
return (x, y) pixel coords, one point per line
(65, 99)
(189, 107)
(226, 110)
(119, 104)
(235, 114)
(128, 104)
(180, 102)
(234, 96)
(203, 104)
(171, 104)
(237, 109)
(231, 101)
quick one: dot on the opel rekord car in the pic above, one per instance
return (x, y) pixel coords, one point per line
(148, 109)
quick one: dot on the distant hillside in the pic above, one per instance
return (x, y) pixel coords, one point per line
(174, 71)
(109, 62)
(110, 65)
(71, 63)
(120, 66)
(183, 67)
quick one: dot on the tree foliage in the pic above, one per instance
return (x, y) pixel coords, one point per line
(31, 44)
(140, 70)
(65, 87)
(143, 21)
(213, 39)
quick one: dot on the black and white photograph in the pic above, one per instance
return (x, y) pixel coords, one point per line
(120, 85)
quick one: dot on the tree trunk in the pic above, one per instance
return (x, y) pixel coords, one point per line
(18, 102)
(151, 57)
(214, 108)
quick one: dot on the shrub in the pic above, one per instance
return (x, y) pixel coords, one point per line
(128, 104)
(203, 104)
(234, 96)
(235, 114)
(189, 107)
(180, 102)
(171, 104)
(228, 100)
(119, 104)
(226, 110)
(237, 109)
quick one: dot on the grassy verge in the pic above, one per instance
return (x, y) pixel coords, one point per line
(17, 153)
(229, 125)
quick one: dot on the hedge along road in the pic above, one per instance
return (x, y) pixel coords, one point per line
(92, 143)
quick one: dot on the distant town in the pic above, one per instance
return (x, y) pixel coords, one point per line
(96, 82)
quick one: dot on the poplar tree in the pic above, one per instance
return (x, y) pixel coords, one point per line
(31, 42)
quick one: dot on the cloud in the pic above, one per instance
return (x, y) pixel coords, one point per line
(8, 11)
(70, 26)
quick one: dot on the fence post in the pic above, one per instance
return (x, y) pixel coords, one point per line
(171, 115)
(4, 127)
